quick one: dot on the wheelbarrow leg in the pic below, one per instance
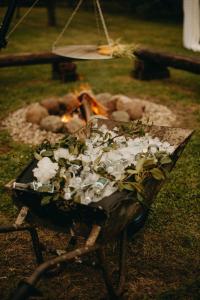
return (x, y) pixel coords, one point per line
(106, 275)
(114, 293)
(122, 261)
(36, 245)
(34, 238)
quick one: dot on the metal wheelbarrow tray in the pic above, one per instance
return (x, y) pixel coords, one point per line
(109, 219)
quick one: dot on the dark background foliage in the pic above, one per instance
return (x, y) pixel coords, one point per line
(150, 9)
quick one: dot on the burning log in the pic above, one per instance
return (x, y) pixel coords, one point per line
(93, 105)
(85, 106)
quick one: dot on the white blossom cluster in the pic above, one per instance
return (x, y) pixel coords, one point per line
(45, 170)
(84, 180)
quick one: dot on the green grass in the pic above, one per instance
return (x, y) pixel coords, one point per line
(170, 262)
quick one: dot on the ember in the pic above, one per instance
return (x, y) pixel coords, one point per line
(66, 118)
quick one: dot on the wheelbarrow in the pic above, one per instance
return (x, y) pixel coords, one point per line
(110, 219)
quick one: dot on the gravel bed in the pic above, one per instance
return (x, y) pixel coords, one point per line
(23, 131)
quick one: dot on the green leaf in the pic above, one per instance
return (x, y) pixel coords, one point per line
(75, 152)
(131, 171)
(47, 153)
(165, 160)
(56, 197)
(114, 146)
(71, 149)
(76, 162)
(140, 197)
(141, 132)
(149, 162)
(139, 165)
(96, 130)
(157, 174)
(131, 186)
(106, 136)
(125, 186)
(46, 188)
(37, 156)
(107, 149)
(160, 154)
(138, 187)
(46, 200)
(62, 162)
(77, 198)
(97, 160)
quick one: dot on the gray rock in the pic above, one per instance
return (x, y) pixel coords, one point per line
(52, 123)
(36, 113)
(121, 116)
(70, 102)
(135, 110)
(106, 100)
(52, 105)
(122, 102)
(103, 97)
(134, 107)
(74, 125)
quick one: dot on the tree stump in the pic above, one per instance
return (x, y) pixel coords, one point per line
(147, 70)
(66, 71)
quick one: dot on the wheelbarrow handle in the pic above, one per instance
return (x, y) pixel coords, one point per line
(24, 291)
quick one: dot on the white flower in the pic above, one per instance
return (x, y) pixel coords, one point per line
(45, 170)
(75, 182)
(87, 200)
(62, 153)
(67, 196)
(82, 179)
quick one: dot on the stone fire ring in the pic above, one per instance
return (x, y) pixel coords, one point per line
(28, 133)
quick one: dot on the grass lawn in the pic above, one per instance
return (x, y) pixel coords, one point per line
(163, 263)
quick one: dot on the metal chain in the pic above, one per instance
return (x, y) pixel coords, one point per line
(22, 18)
(67, 23)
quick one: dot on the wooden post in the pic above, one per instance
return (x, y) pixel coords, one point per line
(151, 64)
(147, 70)
(65, 71)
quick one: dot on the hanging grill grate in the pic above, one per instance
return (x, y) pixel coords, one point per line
(86, 52)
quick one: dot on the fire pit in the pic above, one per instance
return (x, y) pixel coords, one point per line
(106, 220)
(54, 116)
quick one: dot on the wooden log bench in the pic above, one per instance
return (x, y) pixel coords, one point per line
(154, 65)
(148, 65)
(62, 68)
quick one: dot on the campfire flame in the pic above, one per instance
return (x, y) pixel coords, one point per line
(66, 118)
(88, 104)
(97, 108)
